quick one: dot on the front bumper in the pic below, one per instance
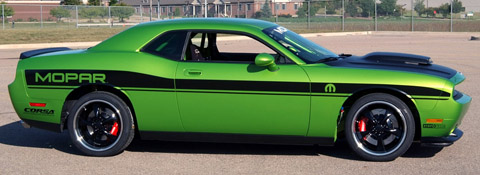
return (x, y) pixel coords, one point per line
(442, 141)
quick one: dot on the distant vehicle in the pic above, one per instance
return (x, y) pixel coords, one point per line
(470, 14)
(174, 80)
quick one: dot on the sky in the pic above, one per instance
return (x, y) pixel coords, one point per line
(470, 5)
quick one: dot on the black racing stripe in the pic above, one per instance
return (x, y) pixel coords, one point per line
(352, 88)
(243, 85)
(117, 78)
(126, 79)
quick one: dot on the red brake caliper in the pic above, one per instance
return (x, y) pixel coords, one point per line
(114, 130)
(362, 126)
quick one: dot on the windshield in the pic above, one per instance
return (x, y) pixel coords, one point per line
(305, 49)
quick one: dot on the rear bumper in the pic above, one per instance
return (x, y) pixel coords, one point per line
(442, 141)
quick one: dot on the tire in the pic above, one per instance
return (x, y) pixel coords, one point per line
(379, 127)
(100, 124)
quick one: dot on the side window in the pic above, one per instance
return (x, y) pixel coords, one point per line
(168, 45)
(225, 47)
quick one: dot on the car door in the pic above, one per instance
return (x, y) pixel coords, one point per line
(225, 92)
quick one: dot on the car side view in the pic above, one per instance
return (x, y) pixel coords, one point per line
(187, 80)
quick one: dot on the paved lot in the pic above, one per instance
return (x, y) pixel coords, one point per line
(33, 151)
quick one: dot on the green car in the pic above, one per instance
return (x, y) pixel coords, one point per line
(192, 80)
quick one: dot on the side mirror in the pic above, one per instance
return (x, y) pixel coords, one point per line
(266, 60)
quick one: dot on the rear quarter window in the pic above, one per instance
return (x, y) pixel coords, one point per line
(168, 45)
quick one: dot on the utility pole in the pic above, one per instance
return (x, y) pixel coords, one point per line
(206, 9)
(158, 9)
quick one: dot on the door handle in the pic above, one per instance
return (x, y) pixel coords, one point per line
(193, 72)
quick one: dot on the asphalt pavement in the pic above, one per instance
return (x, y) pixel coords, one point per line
(35, 151)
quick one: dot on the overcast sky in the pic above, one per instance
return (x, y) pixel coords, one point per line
(471, 5)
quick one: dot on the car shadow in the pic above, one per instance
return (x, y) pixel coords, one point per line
(14, 134)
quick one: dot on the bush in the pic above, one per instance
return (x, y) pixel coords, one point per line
(285, 15)
(30, 19)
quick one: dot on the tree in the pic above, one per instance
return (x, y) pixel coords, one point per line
(176, 12)
(122, 11)
(398, 10)
(94, 2)
(387, 7)
(266, 11)
(419, 7)
(331, 7)
(314, 7)
(351, 8)
(112, 2)
(430, 11)
(367, 6)
(444, 9)
(457, 6)
(89, 12)
(60, 12)
(72, 2)
(7, 10)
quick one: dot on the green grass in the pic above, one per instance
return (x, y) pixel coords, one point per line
(56, 35)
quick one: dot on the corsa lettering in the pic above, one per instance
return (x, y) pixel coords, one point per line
(39, 111)
(70, 77)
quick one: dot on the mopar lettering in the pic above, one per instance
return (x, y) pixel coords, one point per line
(70, 77)
(39, 111)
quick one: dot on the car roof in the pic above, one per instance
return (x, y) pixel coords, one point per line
(137, 36)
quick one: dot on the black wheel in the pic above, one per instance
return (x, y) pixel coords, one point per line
(379, 127)
(101, 124)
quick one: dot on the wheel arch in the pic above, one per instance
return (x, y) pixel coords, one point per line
(387, 90)
(85, 89)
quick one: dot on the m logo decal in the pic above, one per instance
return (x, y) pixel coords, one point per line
(330, 88)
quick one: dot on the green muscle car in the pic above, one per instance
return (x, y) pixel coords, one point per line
(190, 80)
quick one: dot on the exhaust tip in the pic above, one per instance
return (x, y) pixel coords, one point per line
(24, 124)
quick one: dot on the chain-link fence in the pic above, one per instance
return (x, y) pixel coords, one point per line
(298, 15)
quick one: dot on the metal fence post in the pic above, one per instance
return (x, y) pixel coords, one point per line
(141, 13)
(41, 16)
(451, 15)
(411, 12)
(308, 17)
(246, 5)
(206, 8)
(158, 9)
(3, 17)
(151, 7)
(110, 16)
(343, 15)
(376, 23)
(76, 13)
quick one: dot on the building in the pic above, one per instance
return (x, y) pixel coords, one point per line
(32, 10)
(215, 8)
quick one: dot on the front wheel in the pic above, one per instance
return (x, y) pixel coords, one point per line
(101, 124)
(379, 127)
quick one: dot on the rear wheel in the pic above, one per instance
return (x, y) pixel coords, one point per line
(379, 127)
(101, 124)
